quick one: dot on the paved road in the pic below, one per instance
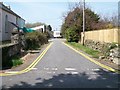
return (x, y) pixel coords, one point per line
(62, 67)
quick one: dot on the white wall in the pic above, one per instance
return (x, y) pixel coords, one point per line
(11, 18)
(39, 28)
(0, 24)
(56, 34)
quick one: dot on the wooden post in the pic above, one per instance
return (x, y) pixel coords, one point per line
(83, 22)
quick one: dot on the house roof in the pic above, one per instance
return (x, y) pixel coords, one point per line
(7, 9)
(38, 27)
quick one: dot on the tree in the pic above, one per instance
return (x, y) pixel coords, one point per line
(114, 20)
(75, 19)
(49, 28)
(72, 34)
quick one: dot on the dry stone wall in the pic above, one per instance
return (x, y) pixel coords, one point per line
(8, 51)
(111, 51)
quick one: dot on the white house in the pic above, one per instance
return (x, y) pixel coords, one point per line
(7, 17)
(57, 34)
(41, 28)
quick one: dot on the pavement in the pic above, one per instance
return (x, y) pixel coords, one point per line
(61, 67)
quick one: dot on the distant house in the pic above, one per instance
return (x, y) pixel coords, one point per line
(57, 34)
(41, 28)
(8, 20)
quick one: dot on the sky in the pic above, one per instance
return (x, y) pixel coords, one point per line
(51, 12)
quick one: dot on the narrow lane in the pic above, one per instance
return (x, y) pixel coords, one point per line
(62, 67)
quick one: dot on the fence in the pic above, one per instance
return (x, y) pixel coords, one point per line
(105, 35)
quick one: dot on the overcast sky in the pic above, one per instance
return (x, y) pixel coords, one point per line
(51, 12)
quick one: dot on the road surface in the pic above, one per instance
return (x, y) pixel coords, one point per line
(61, 67)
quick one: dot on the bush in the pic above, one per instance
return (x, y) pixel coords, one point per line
(113, 45)
(35, 39)
(16, 61)
(47, 35)
(12, 61)
(72, 34)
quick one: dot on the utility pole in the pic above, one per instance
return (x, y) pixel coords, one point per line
(83, 22)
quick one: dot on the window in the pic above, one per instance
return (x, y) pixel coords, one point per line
(17, 20)
(6, 23)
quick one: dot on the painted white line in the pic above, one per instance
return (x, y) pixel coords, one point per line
(93, 73)
(61, 80)
(95, 69)
(68, 72)
(74, 73)
(49, 72)
(70, 69)
(53, 72)
(34, 68)
(54, 69)
(29, 67)
(50, 85)
(92, 60)
(46, 68)
(92, 78)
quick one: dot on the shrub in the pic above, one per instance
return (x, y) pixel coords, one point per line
(35, 40)
(47, 35)
(16, 61)
(72, 34)
(106, 48)
(12, 61)
(113, 45)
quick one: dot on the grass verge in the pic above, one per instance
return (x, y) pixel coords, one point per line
(93, 53)
(16, 61)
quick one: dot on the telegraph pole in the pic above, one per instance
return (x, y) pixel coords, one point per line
(83, 22)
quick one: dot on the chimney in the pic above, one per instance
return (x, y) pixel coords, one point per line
(1, 2)
(9, 7)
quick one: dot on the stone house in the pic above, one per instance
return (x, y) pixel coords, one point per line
(8, 20)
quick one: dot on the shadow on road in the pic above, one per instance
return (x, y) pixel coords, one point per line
(99, 79)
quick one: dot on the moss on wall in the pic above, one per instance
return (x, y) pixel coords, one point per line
(7, 53)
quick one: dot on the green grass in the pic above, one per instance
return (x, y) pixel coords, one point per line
(16, 61)
(93, 53)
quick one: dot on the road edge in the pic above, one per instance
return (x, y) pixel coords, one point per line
(32, 65)
(92, 60)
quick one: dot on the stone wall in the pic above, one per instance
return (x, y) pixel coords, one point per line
(110, 51)
(11, 49)
(8, 51)
(0, 58)
(15, 38)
